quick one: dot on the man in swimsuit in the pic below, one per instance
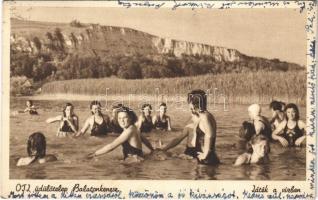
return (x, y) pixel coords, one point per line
(261, 124)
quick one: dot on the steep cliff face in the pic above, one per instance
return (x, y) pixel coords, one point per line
(119, 40)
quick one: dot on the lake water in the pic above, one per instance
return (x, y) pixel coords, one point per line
(285, 163)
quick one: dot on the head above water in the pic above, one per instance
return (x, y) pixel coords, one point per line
(277, 106)
(146, 109)
(260, 145)
(162, 108)
(36, 145)
(292, 112)
(197, 99)
(126, 117)
(254, 110)
(95, 107)
(68, 110)
(29, 103)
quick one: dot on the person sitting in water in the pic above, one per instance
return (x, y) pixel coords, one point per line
(30, 108)
(114, 126)
(68, 121)
(261, 124)
(259, 154)
(189, 133)
(130, 139)
(291, 132)
(36, 148)
(98, 122)
(144, 123)
(162, 121)
(278, 115)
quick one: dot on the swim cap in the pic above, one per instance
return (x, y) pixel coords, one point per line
(254, 109)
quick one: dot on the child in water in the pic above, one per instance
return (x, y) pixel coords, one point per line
(68, 121)
(259, 153)
(36, 148)
(162, 121)
(130, 139)
(30, 108)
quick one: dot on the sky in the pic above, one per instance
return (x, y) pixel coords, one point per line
(270, 33)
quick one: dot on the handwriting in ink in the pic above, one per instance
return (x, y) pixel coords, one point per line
(128, 4)
(312, 49)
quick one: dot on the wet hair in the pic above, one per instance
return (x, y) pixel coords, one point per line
(199, 99)
(66, 105)
(293, 106)
(276, 105)
(259, 138)
(93, 103)
(131, 114)
(31, 102)
(36, 142)
(247, 130)
(148, 105)
(163, 104)
(117, 106)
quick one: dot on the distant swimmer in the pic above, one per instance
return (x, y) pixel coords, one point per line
(68, 121)
(259, 154)
(97, 122)
(30, 108)
(261, 124)
(278, 114)
(36, 148)
(130, 139)
(144, 123)
(291, 132)
(162, 121)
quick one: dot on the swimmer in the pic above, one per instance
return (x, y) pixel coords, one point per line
(144, 123)
(130, 139)
(188, 132)
(261, 124)
(260, 150)
(278, 115)
(30, 108)
(36, 148)
(114, 126)
(292, 132)
(98, 122)
(162, 121)
(68, 121)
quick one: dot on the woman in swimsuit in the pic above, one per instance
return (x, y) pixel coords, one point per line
(259, 153)
(144, 123)
(278, 115)
(30, 108)
(114, 126)
(130, 139)
(36, 148)
(261, 124)
(98, 122)
(68, 121)
(291, 132)
(162, 121)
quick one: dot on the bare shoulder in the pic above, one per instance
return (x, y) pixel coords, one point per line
(301, 124)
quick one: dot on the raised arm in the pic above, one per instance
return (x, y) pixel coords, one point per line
(54, 119)
(118, 141)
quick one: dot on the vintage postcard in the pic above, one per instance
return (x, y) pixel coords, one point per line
(159, 100)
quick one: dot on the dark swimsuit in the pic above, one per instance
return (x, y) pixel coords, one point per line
(146, 126)
(115, 128)
(130, 150)
(160, 124)
(199, 142)
(267, 131)
(66, 127)
(99, 129)
(291, 135)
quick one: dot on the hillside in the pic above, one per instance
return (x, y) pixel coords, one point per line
(45, 51)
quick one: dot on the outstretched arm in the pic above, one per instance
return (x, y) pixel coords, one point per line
(118, 141)
(85, 127)
(277, 131)
(146, 142)
(54, 119)
(174, 142)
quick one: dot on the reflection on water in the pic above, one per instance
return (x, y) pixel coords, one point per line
(285, 164)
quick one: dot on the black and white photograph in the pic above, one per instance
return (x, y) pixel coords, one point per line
(117, 93)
